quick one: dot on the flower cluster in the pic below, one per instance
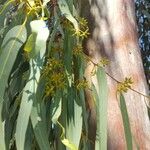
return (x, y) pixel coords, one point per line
(81, 84)
(78, 50)
(125, 85)
(104, 62)
(54, 75)
(83, 32)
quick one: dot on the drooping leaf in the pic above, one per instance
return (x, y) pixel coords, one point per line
(70, 5)
(12, 42)
(29, 94)
(38, 119)
(9, 130)
(26, 105)
(29, 138)
(40, 29)
(56, 107)
(74, 124)
(126, 123)
(101, 96)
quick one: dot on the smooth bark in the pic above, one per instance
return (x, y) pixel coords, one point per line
(113, 34)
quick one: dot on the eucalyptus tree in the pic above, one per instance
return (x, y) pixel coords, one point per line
(71, 76)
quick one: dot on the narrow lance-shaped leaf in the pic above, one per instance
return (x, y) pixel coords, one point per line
(74, 124)
(38, 119)
(101, 96)
(29, 92)
(12, 42)
(56, 107)
(38, 113)
(126, 123)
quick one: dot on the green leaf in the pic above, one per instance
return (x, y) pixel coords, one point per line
(69, 144)
(126, 123)
(12, 42)
(101, 96)
(26, 105)
(56, 107)
(30, 44)
(66, 12)
(70, 5)
(29, 92)
(38, 119)
(74, 125)
(9, 130)
(29, 138)
(65, 141)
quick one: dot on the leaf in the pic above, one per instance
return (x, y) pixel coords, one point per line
(12, 42)
(29, 92)
(65, 141)
(29, 138)
(30, 44)
(70, 145)
(56, 107)
(26, 105)
(39, 28)
(70, 5)
(66, 12)
(74, 123)
(126, 123)
(101, 96)
(38, 119)
(9, 131)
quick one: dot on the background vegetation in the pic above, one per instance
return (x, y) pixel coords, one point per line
(143, 21)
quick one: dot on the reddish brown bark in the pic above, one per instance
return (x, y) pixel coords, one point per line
(113, 35)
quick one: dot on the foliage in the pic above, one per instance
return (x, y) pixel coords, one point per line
(42, 101)
(143, 21)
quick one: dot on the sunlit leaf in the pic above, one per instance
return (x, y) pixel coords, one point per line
(30, 44)
(40, 29)
(12, 42)
(74, 124)
(70, 145)
(101, 96)
(29, 92)
(38, 119)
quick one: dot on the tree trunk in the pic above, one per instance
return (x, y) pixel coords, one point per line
(113, 35)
